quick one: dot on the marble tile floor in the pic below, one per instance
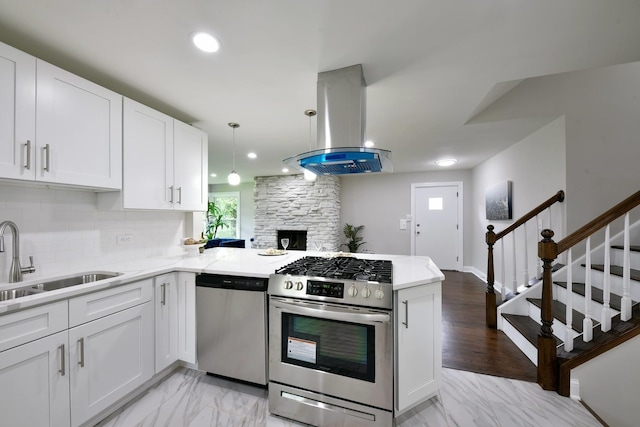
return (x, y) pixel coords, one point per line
(188, 398)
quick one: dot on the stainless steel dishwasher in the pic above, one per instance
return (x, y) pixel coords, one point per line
(231, 313)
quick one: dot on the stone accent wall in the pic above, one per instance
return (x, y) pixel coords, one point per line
(293, 203)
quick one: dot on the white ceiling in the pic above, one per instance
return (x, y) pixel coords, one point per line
(430, 65)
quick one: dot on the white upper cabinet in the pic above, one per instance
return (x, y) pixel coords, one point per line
(148, 157)
(78, 130)
(165, 161)
(56, 127)
(190, 164)
(17, 113)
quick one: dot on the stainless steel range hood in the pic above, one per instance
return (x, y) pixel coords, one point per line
(341, 126)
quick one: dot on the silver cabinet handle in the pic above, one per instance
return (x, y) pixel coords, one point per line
(81, 360)
(179, 195)
(163, 300)
(406, 314)
(47, 158)
(27, 165)
(171, 194)
(62, 360)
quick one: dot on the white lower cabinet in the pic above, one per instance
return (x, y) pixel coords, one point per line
(418, 346)
(34, 383)
(109, 358)
(166, 320)
(187, 317)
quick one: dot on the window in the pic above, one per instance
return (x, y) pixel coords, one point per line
(229, 205)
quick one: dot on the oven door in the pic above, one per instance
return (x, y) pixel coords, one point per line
(337, 350)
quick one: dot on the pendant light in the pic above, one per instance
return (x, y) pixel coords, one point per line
(308, 175)
(234, 178)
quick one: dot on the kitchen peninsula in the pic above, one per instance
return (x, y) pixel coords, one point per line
(156, 298)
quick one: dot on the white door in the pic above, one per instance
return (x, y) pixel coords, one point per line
(437, 227)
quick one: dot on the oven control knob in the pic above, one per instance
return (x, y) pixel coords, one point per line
(288, 284)
(366, 292)
(299, 286)
(353, 291)
(378, 294)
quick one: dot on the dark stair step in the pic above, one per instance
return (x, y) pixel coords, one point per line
(560, 313)
(616, 270)
(631, 248)
(528, 327)
(615, 301)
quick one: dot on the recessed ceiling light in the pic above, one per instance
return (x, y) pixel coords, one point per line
(446, 162)
(213, 175)
(252, 155)
(369, 144)
(205, 42)
(285, 170)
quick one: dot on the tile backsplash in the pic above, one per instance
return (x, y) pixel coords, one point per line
(64, 230)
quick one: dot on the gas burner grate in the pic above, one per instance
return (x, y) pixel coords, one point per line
(345, 268)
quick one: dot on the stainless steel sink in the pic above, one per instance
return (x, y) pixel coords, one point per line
(10, 294)
(50, 285)
(80, 279)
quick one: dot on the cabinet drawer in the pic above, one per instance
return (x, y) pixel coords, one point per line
(27, 325)
(99, 304)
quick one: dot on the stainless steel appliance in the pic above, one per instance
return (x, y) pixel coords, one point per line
(231, 313)
(331, 341)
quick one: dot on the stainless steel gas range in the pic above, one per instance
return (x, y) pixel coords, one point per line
(331, 341)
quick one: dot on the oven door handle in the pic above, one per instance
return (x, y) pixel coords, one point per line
(328, 313)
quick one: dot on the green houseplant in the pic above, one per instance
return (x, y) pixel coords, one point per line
(214, 221)
(354, 241)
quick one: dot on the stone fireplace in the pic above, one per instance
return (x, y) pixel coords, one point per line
(290, 203)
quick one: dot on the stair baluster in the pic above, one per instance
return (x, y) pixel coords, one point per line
(503, 274)
(568, 334)
(526, 256)
(587, 323)
(605, 322)
(625, 314)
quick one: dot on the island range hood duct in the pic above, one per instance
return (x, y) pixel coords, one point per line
(341, 125)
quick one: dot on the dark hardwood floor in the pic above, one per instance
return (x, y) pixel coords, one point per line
(467, 344)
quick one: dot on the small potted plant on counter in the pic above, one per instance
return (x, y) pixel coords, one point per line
(354, 241)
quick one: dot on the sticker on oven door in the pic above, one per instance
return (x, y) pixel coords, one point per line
(302, 350)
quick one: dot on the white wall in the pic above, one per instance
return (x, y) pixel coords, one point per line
(610, 383)
(64, 230)
(536, 167)
(602, 131)
(379, 202)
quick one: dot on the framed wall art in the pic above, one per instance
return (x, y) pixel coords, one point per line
(498, 201)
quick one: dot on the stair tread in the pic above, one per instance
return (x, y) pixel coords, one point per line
(615, 301)
(528, 327)
(632, 248)
(616, 270)
(619, 330)
(560, 313)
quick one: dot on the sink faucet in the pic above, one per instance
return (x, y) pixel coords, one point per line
(15, 272)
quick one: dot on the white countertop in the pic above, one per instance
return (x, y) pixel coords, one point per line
(408, 271)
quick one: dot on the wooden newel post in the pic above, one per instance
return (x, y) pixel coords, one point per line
(547, 366)
(490, 304)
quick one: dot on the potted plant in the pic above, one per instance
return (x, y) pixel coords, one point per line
(353, 240)
(214, 221)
